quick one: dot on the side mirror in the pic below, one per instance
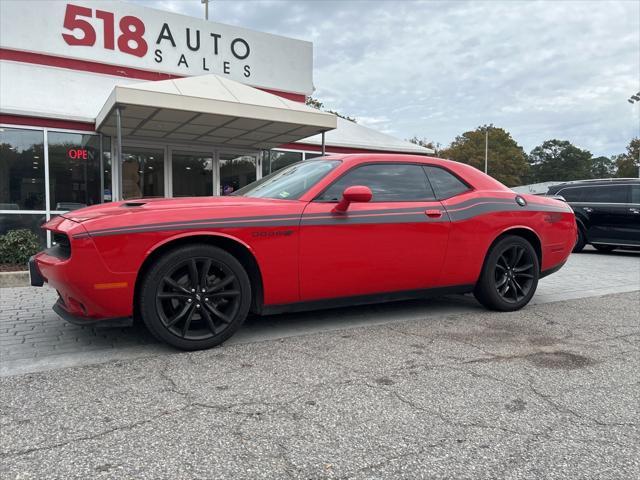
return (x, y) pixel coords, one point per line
(356, 193)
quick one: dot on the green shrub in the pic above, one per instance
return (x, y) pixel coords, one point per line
(16, 246)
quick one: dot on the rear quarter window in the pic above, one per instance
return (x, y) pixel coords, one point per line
(607, 194)
(572, 194)
(445, 184)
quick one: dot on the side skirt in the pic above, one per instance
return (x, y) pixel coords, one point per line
(551, 270)
(364, 299)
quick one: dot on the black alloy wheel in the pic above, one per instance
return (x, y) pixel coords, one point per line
(513, 275)
(195, 297)
(509, 276)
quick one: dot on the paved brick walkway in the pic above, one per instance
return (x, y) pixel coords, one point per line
(33, 337)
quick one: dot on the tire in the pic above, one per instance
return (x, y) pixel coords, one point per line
(192, 310)
(581, 241)
(605, 248)
(509, 275)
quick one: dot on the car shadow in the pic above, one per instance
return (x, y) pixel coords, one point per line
(617, 252)
(259, 328)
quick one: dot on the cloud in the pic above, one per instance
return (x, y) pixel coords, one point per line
(541, 70)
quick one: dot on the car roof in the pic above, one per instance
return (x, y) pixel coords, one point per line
(595, 182)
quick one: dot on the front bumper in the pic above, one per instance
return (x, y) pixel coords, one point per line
(60, 309)
(37, 280)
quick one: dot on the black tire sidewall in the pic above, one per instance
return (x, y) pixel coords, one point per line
(162, 266)
(485, 290)
(581, 241)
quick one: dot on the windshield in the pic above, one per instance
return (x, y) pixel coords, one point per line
(290, 182)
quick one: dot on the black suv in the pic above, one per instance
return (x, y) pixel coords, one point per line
(607, 211)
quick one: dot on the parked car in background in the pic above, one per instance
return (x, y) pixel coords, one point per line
(607, 211)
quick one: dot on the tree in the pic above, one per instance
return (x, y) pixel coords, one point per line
(423, 142)
(507, 160)
(628, 163)
(602, 167)
(559, 160)
(315, 103)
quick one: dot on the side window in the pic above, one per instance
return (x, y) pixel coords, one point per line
(445, 184)
(572, 194)
(608, 194)
(389, 182)
(635, 194)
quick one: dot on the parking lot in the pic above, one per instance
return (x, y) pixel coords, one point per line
(432, 389)
(33, 338)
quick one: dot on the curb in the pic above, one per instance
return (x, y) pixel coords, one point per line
(14, 279)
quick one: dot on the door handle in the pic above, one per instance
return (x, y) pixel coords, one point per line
(588, 209)
(635, 210)
(433, 213)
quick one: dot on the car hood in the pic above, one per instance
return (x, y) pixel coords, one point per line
(145, 210)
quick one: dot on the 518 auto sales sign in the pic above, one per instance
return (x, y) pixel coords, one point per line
(123, 34)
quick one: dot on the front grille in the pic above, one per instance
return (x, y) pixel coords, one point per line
(61, 246)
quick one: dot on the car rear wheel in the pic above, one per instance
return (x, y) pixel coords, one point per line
(581, 241)
(509, 276)
(195, 297)
(605, 248)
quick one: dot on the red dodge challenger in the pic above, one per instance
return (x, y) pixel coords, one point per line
(341, 230)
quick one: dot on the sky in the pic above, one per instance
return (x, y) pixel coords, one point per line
(539, 69)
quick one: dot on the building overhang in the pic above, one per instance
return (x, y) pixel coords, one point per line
(209, 109)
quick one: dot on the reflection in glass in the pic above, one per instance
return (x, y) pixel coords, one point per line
(21, 169)
(192, 174)
(236, 172)
(291, 182)
(107, 194)
(74, 170)
(142, 173)
(274, 160)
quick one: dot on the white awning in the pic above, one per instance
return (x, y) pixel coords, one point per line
(353, 135)
(210, 109)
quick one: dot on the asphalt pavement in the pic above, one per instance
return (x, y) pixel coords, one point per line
(33, 338)
(548, 392)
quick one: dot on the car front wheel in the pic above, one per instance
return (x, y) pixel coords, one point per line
(195, 297)
(509, 276)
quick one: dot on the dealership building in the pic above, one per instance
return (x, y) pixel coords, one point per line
(106, 100)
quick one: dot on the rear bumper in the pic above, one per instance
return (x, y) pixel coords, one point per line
(60, 309)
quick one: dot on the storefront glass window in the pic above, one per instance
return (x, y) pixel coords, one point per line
(21, 169)
(192, 174)
(107, 195)
(236, 171)
(142, 173)
(27, 221)
(74, 170)
(275, 160)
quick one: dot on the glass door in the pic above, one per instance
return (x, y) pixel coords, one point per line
(236, 171)
(142, 172)
(191, 173)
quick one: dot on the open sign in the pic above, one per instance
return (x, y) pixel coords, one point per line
(78, 153)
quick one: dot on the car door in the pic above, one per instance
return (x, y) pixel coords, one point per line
(395, 242)
(608, 207)
(621, 219)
